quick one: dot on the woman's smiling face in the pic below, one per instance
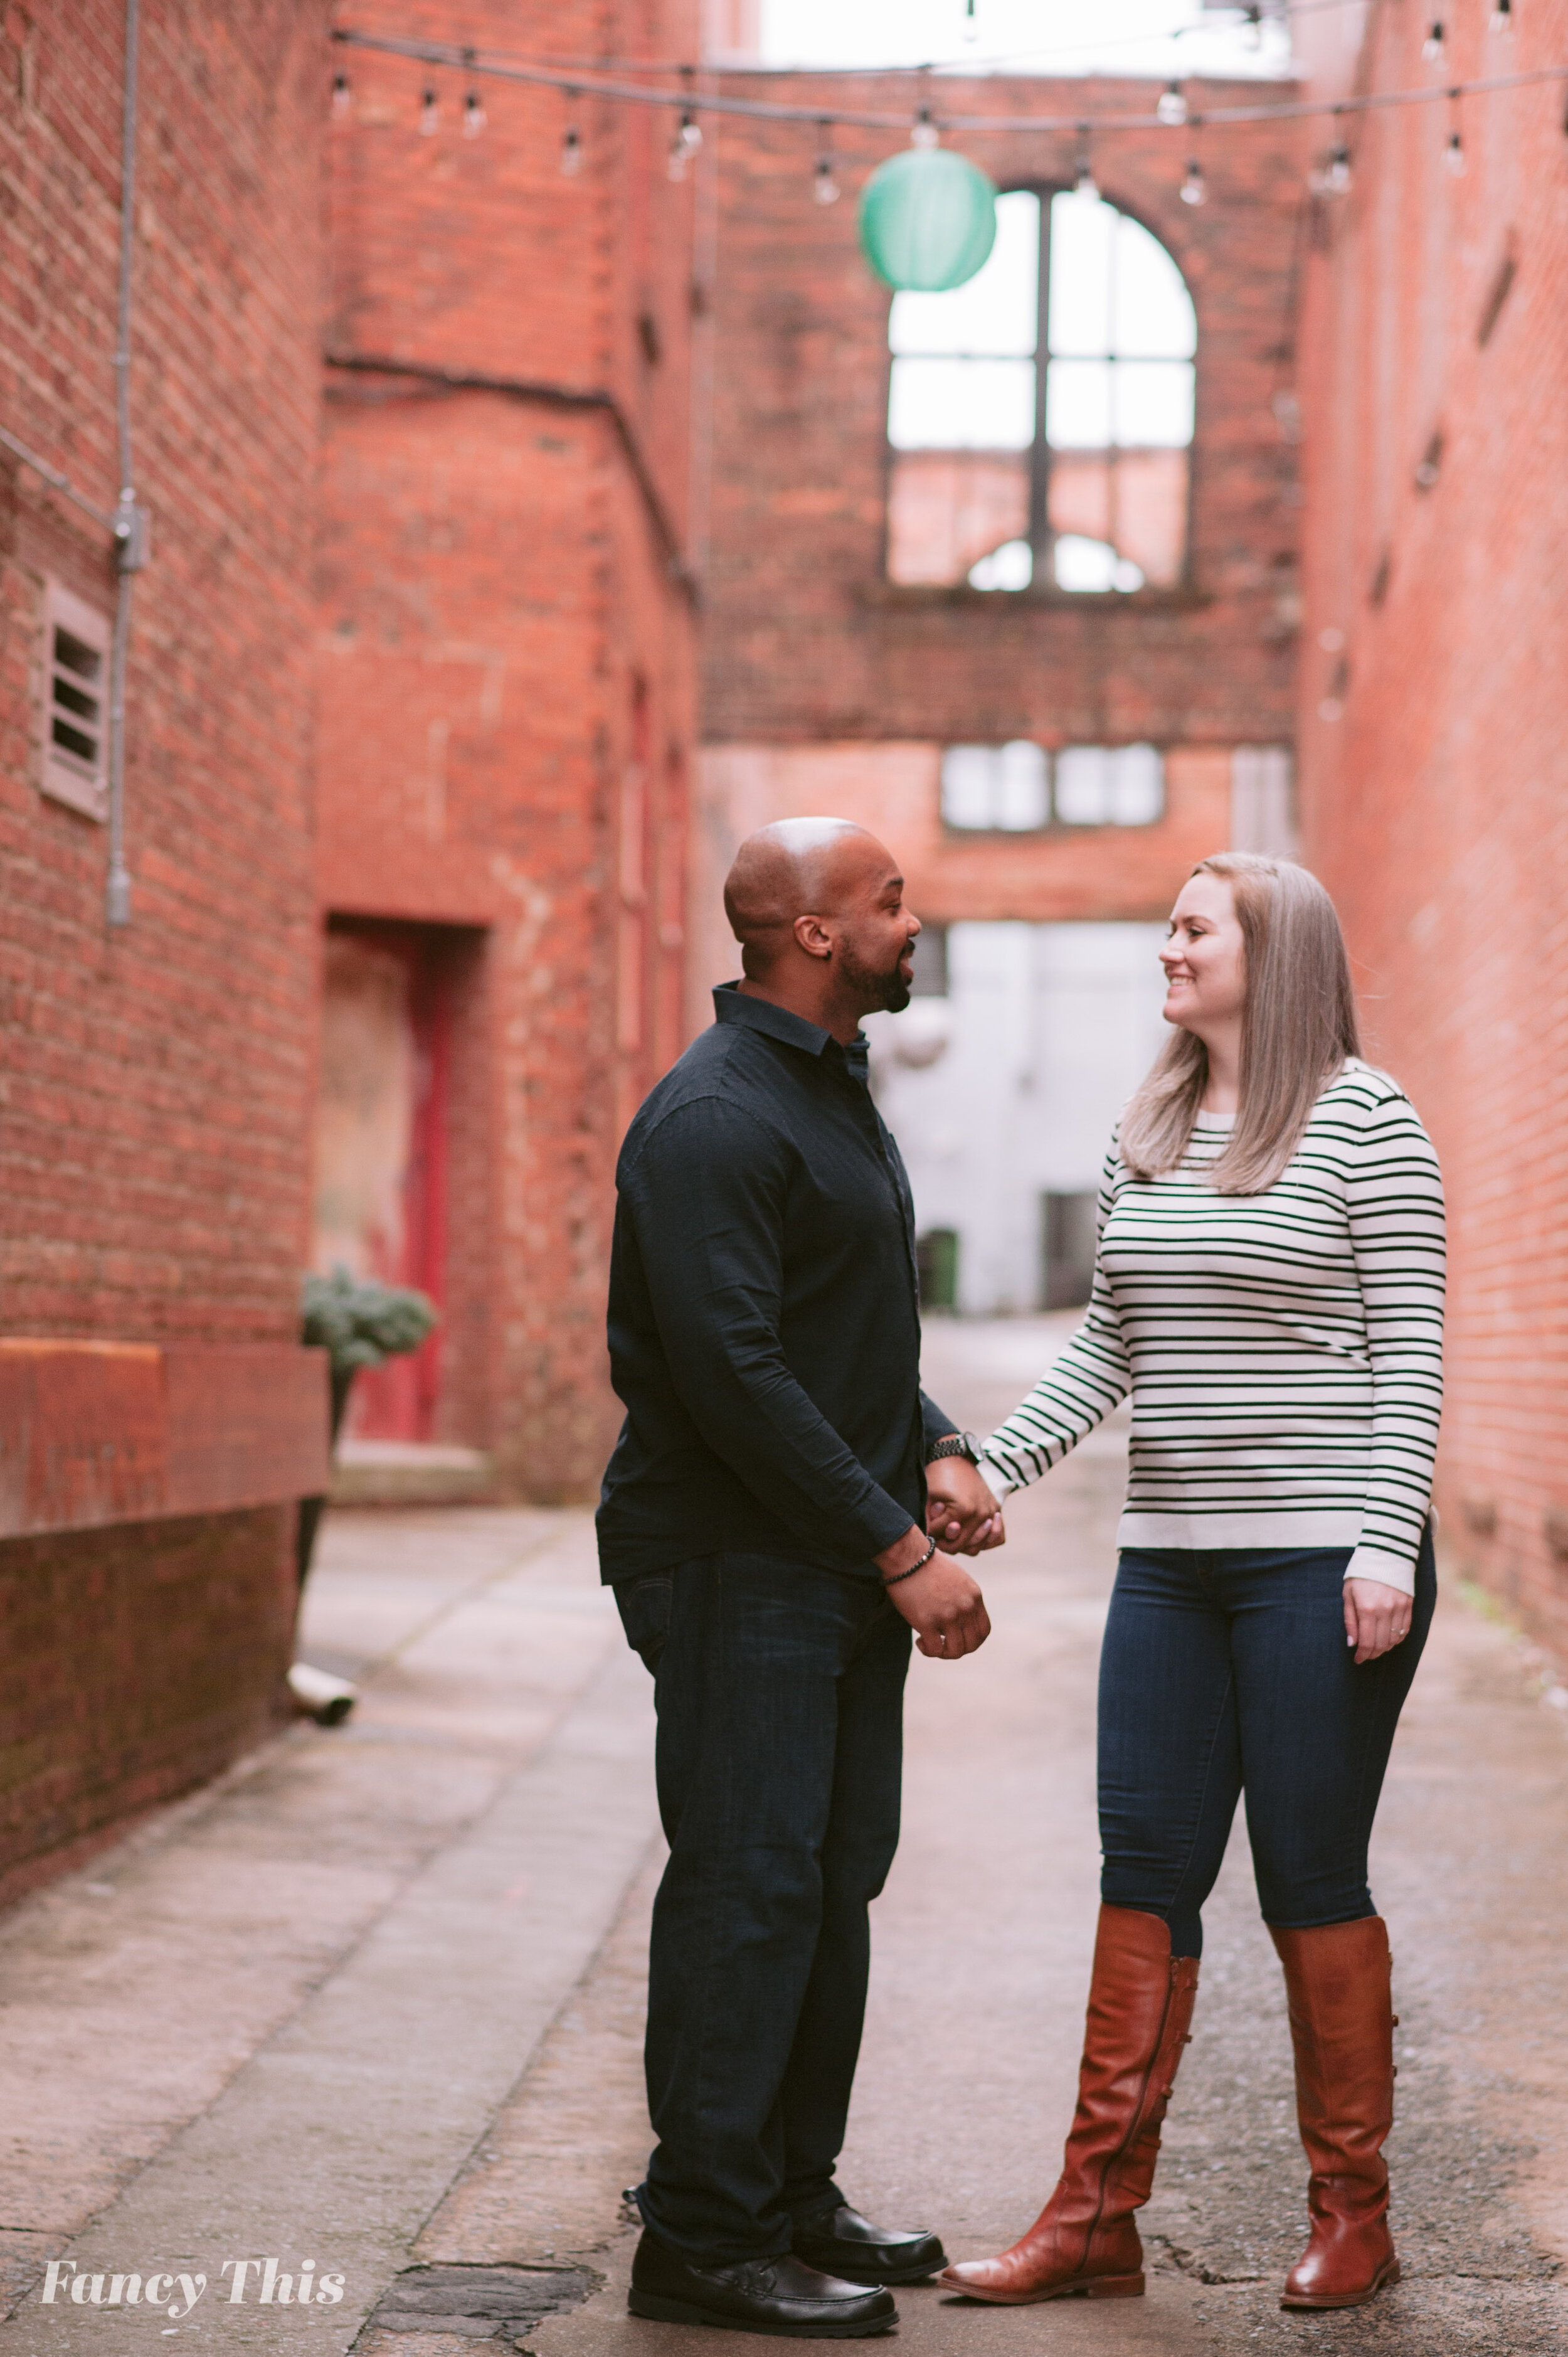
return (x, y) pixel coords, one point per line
(1205, 956)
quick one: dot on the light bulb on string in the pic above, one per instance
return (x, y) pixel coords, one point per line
(1333, 176)
(343, 98)
(1253, 26)
(1502, 15)
(1194, 188)
(473, 105)
(923, 132)
(1170, 108)
(1084, 180)
(429, 114)
(1435, 48)
(971, 21)
(825, 183)
(572, 153)
(1454, 152)
(684, 144)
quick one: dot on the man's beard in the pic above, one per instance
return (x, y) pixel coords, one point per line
(887, 991)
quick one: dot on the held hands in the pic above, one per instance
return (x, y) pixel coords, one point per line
(961, 1515)
(942, 1602)
(1377, 1618)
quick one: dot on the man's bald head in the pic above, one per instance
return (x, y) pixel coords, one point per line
(795, 868)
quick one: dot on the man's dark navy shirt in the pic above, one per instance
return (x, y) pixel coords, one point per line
(764, 1319)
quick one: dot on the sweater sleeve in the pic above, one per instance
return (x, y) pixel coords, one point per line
(1090, 1378)
(1395, 1201)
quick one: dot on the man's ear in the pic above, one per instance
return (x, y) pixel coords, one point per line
(813, 937)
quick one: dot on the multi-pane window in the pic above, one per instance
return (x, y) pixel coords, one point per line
(1019, 788)
(1061, 457)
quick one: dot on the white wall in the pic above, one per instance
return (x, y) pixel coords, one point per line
(1008, 1088)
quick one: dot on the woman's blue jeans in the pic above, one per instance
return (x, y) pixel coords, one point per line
(1225, 1672)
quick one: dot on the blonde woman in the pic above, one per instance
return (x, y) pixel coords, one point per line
(1269, 1288)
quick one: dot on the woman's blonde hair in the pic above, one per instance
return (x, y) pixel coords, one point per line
(1297, 1028)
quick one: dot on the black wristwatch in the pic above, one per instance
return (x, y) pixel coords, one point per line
(955, 1444)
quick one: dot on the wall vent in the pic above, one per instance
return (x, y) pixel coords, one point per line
(74, 704)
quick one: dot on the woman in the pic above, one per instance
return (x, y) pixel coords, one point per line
(1269, 1287)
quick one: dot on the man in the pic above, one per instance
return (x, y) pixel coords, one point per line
(764, 1522)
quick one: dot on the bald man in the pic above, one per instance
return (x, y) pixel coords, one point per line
(783, 1508)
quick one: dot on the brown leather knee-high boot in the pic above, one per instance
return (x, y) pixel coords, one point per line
(1342, 2023)
(1084, 2240)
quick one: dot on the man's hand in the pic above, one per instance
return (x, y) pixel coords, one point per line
(942, 1603)
(1377, 1617)
(961, 1515)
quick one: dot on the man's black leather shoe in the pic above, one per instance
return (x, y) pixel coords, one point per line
(783, 2297)
(842, 2243)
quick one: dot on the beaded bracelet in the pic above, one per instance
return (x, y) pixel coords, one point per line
(914, 1567)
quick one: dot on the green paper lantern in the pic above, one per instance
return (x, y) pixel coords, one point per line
(928, 219)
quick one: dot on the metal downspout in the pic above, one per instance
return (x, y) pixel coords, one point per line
(130, 520)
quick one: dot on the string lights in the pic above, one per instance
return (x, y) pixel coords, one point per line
(1502, 16)
(1331, 175)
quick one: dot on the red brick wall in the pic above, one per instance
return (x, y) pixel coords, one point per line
(505, 664)
(134, 1662)
(155, 1097)
(804, 639)
(154, 1081)
(1433, 752)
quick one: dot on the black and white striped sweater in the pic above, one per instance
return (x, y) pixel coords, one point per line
(1283, 1350)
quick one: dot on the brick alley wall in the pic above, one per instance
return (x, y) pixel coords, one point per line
(805, 639)
(1434, 758)
(154, 1107)
(155, 1080)
(507, 666)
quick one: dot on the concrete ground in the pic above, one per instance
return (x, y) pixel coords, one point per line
(373, 2001)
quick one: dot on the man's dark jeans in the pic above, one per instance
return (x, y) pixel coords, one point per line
(781, 1737)
(1227, 1671)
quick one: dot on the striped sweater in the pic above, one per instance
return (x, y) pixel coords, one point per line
(1283, 1350)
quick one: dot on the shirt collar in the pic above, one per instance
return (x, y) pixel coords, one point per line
(732, 1004)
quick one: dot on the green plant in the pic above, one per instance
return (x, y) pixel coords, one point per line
(358, 1323)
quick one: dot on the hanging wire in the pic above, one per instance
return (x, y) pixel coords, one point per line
(774, 111)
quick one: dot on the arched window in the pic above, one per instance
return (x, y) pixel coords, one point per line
(1062, 459)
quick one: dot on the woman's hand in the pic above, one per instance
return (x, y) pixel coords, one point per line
(1377, 1618)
